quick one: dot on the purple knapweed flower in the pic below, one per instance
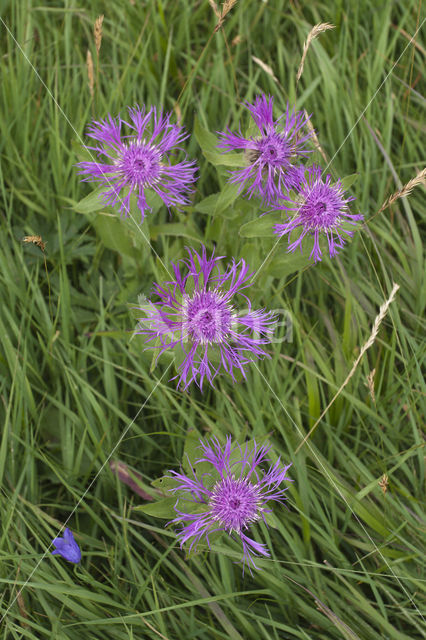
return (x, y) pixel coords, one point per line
(321, 208)
(139, 159)
(67, 547)
(195, 316)
(272, 154)
(230, 497)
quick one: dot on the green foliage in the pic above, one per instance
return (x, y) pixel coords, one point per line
(261, 227)
(76, 388)
(163, 508)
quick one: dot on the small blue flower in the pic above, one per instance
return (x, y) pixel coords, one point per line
(67, 547)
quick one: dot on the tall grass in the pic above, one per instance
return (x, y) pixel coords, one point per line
(347, 555)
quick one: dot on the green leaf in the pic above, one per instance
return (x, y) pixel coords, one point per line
(250, 253)
(209, 146)
(191, 451)
(207, 141)
(249, 446)
(348, 181)
(226, 197)
(209, 206)
(83, 154)
(285, 263)
(116, 235)
(163, 508)
(91, 203)
(177, 229)
(370, 514)
(271, 520)
(192, 442)
(155, 346)
(202, 546)
(252, 130)
(225, 158)
(262, 227)
(235, 459)
(153, 201)
(165, 483)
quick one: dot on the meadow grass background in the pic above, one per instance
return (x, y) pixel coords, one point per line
(347, 558)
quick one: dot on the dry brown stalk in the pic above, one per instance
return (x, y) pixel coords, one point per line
(22, 610)
(321, 606)
(383, 483)
(266, 68)
(420, 178)
(409, 37)
(215, 8)
(90, 74)
(129, 477)
(38, 241)
(314, 138)
(153, 629)
(178, 112)
(226, 8)
(374, 331)
(314, 33)
(342, 626)
(97, 30)
(370, 383)
(20, 600)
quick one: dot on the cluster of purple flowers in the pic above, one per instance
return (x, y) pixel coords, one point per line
(272, 153)
(135, 155)
(275, 172)
(196, 314)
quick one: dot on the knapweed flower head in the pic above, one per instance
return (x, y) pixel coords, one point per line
(320, 209)
(234, 490)
(134, 155)
(67, 547)
(196, 317)
(273, 154)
